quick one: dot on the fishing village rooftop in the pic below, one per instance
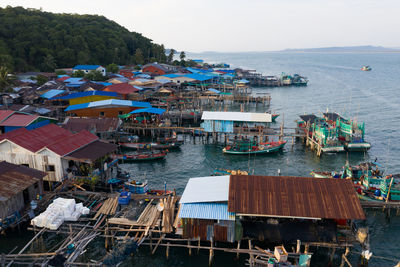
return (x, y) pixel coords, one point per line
(62, 143)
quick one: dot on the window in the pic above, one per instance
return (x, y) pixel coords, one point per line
(36, 185)
(50, 168)
(119, 112)
(101, 113)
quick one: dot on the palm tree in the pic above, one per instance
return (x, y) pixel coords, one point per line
(5, 79)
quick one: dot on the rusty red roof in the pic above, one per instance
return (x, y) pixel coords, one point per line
(121, 88)
(72, 143)
(19, 120)
(91, 124)
(36, 139)
(4, 114)
(298, 197)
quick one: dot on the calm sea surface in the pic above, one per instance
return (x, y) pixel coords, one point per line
(336, 83)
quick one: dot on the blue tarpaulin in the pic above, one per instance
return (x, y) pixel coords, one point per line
(157, 111)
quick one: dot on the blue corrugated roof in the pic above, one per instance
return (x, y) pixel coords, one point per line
(208, 211)
(109, 102)
(104, 83)
(52, 93)
(173, 75)
(74, 80)
(158, 111)
(85, 93)
(198, 77)
(86, 67)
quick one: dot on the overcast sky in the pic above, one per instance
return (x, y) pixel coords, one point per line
(244, 25)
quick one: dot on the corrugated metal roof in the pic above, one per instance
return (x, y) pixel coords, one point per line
(52, 93)
(236, 116)
(95, 125)
(72, 143)
(21, 120)
(86, 67)
(158, 111)
(16, 178)
(4, 114)
(109, 102)
(198, 77)
(206, 189)
(36, 139)
(92, 151)
(210, 211)
(299, 197)
(84, 94)
(121, 88)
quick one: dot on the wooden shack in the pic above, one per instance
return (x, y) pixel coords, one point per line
(19, 185)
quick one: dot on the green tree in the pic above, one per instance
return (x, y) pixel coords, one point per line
(61, 72)
(49, 63)
(78, 74)
(112, 68)
(182, 56)
(40, 79)
(95, 76)
(35, 40)
(170, 57)
(6, 80)
(139, 56)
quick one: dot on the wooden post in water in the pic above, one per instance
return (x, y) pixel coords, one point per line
(211, 253)
(167, 251)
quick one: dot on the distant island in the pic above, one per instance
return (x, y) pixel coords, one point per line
(336, 49)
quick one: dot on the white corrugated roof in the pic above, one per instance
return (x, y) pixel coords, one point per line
(206, 189)
(236, 116)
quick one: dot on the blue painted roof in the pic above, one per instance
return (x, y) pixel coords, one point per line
(104, 83)
(74, 80)
(208, 210)
(52, 93)
(85, 93)
(109, 102)
(158, 111)
(198, 77)
(173, 75)
(86, 67)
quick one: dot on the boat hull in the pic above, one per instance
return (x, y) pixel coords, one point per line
(250, 152)
(333, 149)
(357, 146)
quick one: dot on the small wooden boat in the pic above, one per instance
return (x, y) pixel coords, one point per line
(140, 157)
(318, 174)
(245, 147)
(299, 80)
(150, 146)
(366, 68)
(218, 172)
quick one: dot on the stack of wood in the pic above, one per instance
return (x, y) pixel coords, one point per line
(168, 213)
(109, 207)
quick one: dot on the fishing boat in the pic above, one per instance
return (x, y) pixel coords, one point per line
(286, 79)
(319, 174)
(298, 80)
(366, 68)
(136, 187)
(140, 157)
(150, 146)
(218, 172)
(245, 147)
(274, 117)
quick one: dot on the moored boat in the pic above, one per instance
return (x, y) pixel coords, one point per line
(245, 147)
(366, 68)
(140, 157)
(274, 117)
(299, 80)
(318, 174)
(150, 146)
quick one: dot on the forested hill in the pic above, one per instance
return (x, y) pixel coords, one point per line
(34, 40)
